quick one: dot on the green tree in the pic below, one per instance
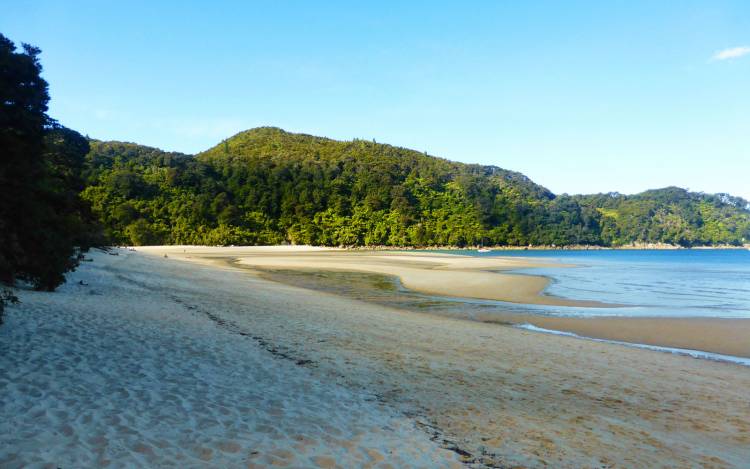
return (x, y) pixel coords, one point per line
(266, 185)
(43, 222)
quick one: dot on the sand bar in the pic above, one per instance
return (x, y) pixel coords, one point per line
(431, 273)
(482, 277)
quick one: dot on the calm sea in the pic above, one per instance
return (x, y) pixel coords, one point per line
(701, 282)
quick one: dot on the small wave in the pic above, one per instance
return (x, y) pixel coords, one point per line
(677, 351)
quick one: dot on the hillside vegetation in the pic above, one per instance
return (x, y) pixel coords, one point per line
(268, 186)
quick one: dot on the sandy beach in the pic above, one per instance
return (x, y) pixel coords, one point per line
(484, 278)
(431, 273)
(158, 361)
(126, 370)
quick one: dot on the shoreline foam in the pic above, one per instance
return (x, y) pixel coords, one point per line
(697, 354)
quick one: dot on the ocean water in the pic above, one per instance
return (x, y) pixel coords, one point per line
(667, 283)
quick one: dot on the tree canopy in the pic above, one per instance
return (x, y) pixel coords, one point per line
(43, 221)
(267, 186)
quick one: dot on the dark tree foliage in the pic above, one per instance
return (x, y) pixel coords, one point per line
(42, 217)
(671, 215)
(267, 186)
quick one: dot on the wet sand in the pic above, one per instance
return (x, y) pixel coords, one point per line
(471, 277)
(497, 396)
(431, 273)
(716, 335)
(713, 335)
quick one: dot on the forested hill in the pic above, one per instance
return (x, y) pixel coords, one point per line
(268, 186)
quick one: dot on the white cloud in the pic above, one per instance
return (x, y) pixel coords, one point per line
(731, 53)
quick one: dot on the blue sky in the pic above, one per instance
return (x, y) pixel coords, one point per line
(580, 96)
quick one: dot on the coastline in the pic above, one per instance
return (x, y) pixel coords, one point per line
(699, 354)
(199, 363)
(450, 275)
(430, 273)
(713, 335)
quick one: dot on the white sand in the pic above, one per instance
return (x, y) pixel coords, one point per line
(125, 373)
(144, 363)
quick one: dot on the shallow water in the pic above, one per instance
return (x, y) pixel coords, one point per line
(678, 283)
(652, 283)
